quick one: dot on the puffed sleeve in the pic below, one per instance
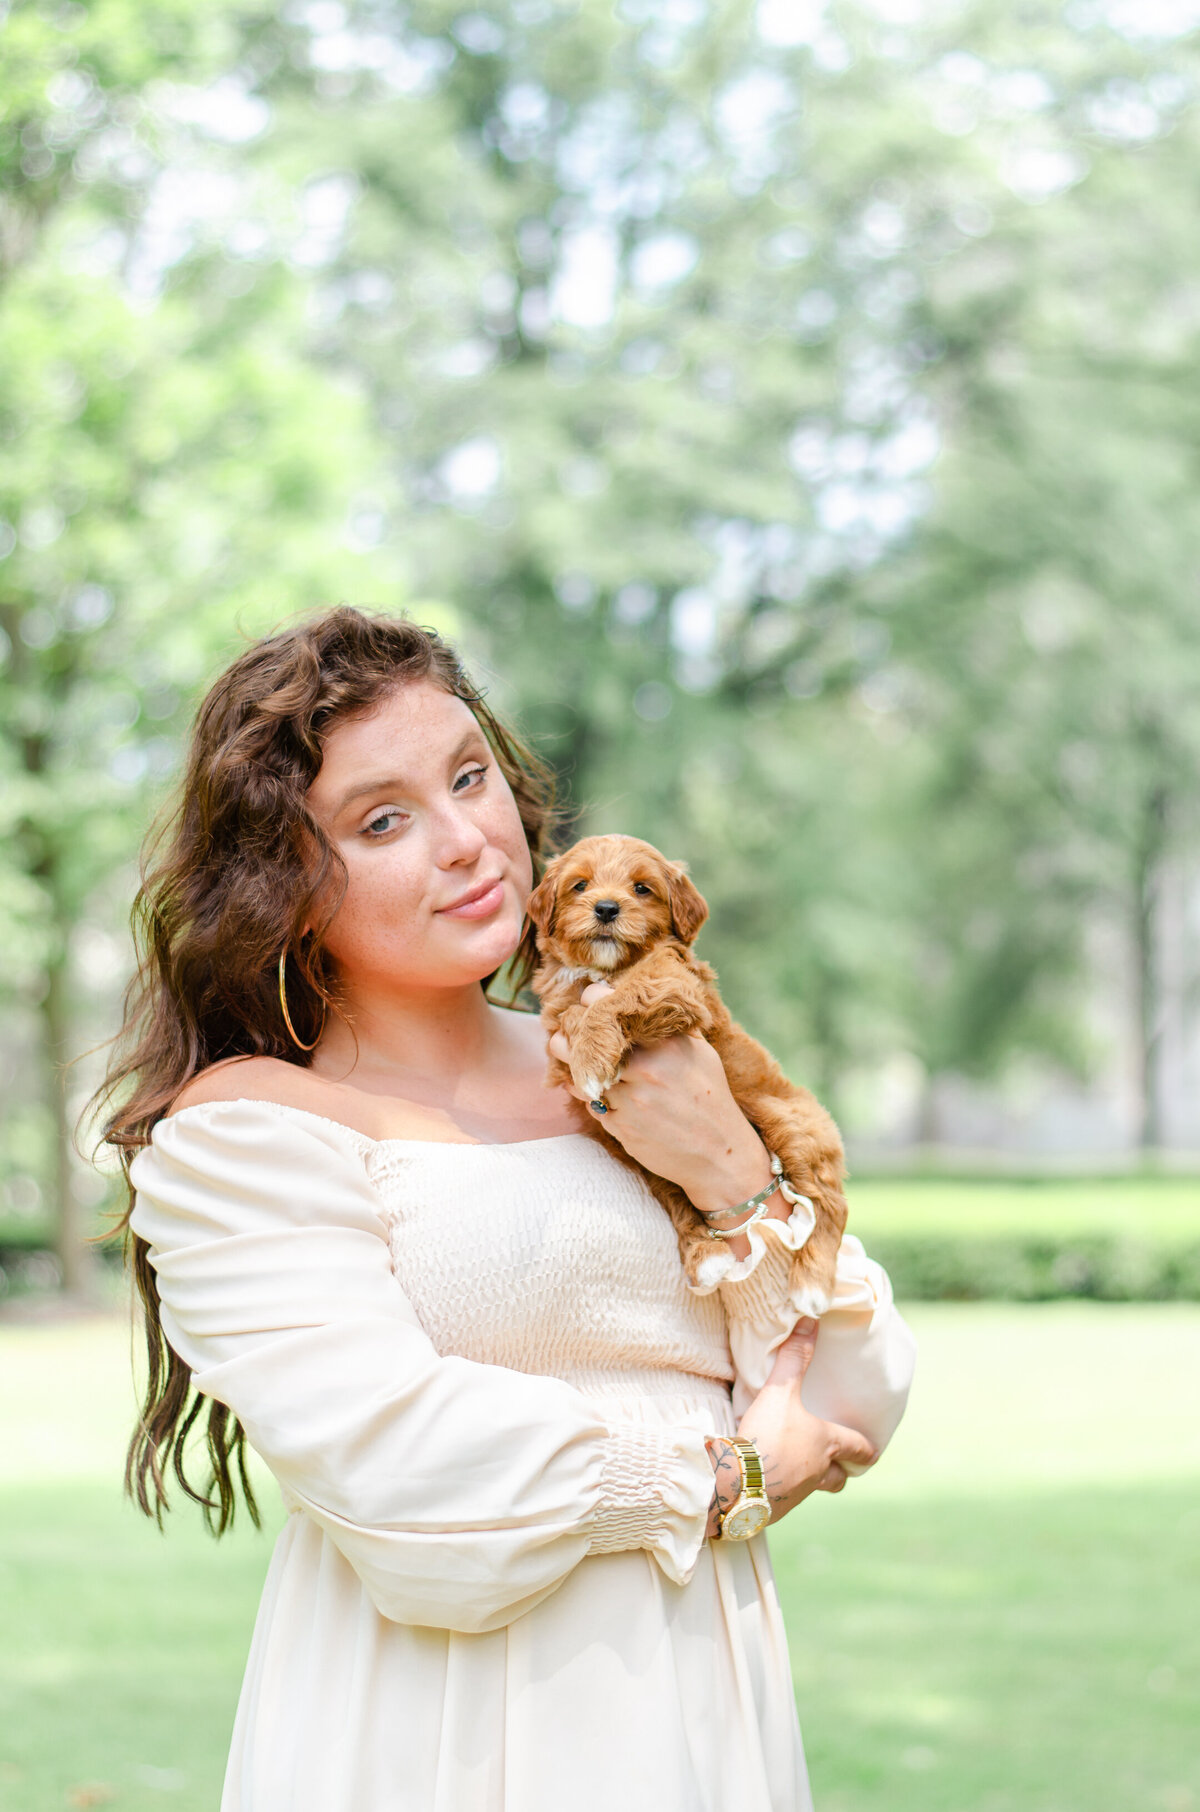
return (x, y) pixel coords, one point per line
(462, 1494)
(862, 1366)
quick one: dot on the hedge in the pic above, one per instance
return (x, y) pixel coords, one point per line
(942, 1268)
(922, 1267)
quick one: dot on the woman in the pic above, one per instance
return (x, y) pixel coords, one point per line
(454, 1327)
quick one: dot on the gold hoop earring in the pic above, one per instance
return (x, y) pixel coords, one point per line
(287, 1018)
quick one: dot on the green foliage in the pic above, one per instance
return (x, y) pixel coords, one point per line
(1156, 1209)
(794, 406)
(821, 488)
(174, 474)
(942, 1268)
(1112, 1239)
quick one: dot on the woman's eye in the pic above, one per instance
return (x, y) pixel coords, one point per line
(640, 887)
(579, 887)
(377, 827)
(470, 774)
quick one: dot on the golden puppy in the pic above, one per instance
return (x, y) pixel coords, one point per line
(614, 909)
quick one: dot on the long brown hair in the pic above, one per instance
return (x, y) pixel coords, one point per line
(234, 868)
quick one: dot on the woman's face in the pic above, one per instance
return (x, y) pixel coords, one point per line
(412, 798)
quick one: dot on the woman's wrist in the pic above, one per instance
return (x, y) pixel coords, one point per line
(732, 1176)
(727, 1481)
(707, 1197)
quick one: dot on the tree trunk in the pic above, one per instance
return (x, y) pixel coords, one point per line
(928, 1129)
(830, 1057)
(75, 1257)
(43, 697)
(1147, 1004)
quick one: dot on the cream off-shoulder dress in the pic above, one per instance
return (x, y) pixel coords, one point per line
(482, 1382)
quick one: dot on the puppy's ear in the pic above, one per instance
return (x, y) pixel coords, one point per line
(542, 901)
(689, 908)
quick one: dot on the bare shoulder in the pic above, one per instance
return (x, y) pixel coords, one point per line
(251, 1079)
(376, 1116)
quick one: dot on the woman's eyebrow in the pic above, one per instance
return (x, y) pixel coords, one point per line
(387, 782)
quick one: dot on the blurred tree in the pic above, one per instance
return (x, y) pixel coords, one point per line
(1045, 614)
(171, 472)
(792, 399)
(668, 313)
(584, 277)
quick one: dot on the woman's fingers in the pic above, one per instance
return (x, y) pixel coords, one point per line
(854, 1452)
(795, 1355)
(594, 991)
(834, 1479)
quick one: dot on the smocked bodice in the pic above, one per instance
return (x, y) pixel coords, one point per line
(548, 1256)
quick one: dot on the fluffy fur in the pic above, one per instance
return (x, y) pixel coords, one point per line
(661, 988)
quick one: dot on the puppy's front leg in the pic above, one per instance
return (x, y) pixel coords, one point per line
(664, 1008)
(598, 1045)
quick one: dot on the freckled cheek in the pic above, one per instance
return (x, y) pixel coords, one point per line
(503, 821)
(381, 905)
(504, 831)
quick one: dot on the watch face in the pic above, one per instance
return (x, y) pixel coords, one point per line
(746, 1520)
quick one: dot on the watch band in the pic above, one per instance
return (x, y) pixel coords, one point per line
(751, 1509)
(752, 1472)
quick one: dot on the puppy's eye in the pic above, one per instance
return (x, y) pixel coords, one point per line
(640, 887)
(579, 887)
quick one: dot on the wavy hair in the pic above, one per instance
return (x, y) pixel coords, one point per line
(235, 866)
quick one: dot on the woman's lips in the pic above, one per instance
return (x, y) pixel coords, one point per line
(479, 908)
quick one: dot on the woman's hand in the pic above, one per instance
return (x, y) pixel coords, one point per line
(801, 1453)
(672, 1110)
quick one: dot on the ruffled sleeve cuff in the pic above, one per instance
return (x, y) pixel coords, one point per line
(656, 1488)
(863, 1363)
(767, 1279)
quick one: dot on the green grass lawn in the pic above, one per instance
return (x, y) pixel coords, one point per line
(1003, 1615)
(1159, 1210)
(1006, 1614)
(1162, 1208)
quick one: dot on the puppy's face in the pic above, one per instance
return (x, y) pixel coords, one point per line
(608, 900)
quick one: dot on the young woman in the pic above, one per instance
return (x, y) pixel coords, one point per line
(373, 1244)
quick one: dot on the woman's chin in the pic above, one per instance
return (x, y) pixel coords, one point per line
(492, 945)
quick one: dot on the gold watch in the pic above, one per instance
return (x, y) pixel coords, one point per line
(752, 1510)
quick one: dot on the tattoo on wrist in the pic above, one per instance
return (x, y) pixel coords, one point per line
(727, 1476)
(727, 1472)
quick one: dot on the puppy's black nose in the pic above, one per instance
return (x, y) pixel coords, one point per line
(606, 911)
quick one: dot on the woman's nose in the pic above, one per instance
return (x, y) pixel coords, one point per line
(460, 836)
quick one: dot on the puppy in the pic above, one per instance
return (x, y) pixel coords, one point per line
(614, 909)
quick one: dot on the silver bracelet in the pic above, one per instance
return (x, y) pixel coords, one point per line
(757, 1202)
(732, 1232)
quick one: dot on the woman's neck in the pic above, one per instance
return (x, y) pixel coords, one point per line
(416, 1045)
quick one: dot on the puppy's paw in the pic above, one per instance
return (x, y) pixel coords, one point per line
(595, 1068)
(810, 1299)
(596, 1086)
(710, 1271)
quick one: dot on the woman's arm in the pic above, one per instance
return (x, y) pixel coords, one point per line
(461, 1493)
(800, 1452)
(676, 1115)
(673, 1111)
